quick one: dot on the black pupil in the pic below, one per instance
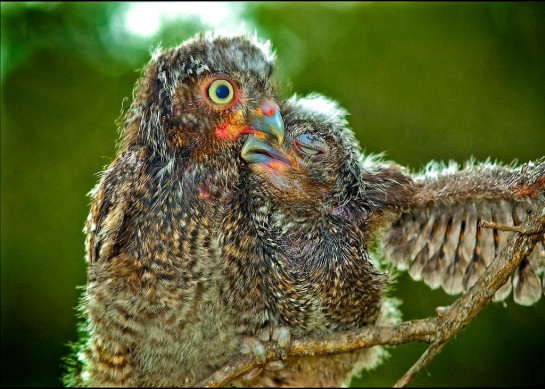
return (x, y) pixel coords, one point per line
(222, 91)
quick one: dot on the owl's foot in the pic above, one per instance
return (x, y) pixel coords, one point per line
(252, 375)
(282, 336)
(256, 372)
(253, 345)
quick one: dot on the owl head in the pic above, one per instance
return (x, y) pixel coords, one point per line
(197, 99)
(317, 166)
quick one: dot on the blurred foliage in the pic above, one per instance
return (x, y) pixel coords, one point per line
(421, 80)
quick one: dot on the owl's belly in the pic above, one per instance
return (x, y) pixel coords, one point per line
(151, 330)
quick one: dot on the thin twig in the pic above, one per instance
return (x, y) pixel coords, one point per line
(465, 309)
(504, 227)
(422, 362)
(418, 330)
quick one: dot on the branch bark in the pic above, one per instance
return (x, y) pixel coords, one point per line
(436, 331)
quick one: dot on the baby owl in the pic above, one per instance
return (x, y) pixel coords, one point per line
(314, 205)
(230, 215)
(153, 244)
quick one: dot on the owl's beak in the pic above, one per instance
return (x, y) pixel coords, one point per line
(257, 151)
(267, 119)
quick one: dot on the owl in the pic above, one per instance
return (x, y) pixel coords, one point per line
(295, 246)
(230, 216)
(151, 307)
(316, 206)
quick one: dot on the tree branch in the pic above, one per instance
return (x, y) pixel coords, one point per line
(422, 362)
(502, 227)
(466, 308)
(436, 331)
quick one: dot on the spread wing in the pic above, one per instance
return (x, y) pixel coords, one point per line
(439, 239)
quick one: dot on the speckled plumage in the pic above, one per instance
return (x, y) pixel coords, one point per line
(309, 266)
(151, 308)
(314, 218)
(428, 222)
(190, 251)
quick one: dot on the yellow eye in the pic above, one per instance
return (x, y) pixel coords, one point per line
(221, 92)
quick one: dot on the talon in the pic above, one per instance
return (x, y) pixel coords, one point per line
(252, 374)
(260, 352)
(254, 346)
(283, 337)
(265, 335)
(275, 365)
(245, 348)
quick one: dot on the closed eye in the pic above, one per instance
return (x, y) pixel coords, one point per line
(308, 150)
(311, 145)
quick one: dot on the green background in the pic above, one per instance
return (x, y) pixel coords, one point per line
(422, 81)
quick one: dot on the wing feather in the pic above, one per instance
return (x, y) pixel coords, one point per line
(440, 240)
(109, 209)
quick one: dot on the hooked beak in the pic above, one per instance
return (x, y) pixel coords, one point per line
(257, 151)
(267, 119)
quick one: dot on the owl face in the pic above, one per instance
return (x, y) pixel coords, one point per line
(315, 162)
(200, 97)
